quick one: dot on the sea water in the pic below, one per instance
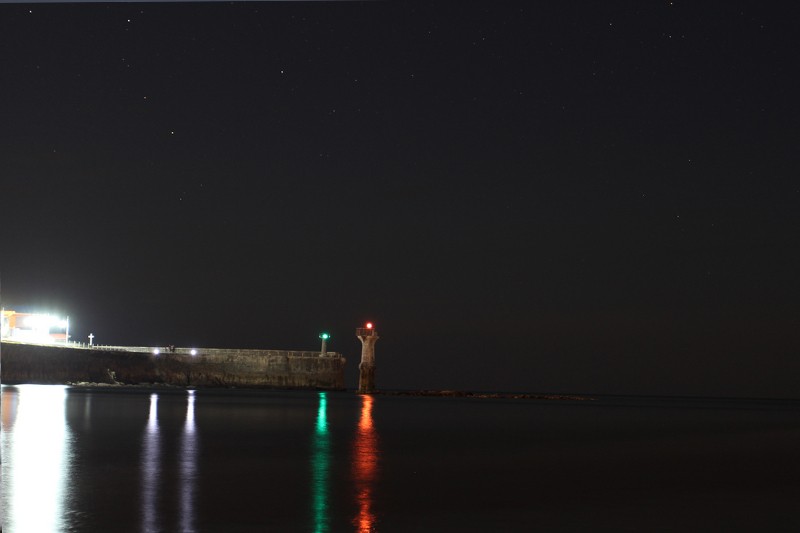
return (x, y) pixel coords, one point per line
(173, 460)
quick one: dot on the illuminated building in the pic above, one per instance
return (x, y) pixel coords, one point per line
(33, 327)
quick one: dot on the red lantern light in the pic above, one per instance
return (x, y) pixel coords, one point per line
(369, 325)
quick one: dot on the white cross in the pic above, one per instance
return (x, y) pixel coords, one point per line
(91, 336)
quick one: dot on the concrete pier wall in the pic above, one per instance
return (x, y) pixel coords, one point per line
(209, 367)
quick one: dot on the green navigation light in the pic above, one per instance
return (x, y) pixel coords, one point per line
(324, 336)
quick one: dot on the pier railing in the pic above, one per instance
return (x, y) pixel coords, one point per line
(197, 352)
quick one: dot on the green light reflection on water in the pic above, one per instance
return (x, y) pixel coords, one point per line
(320, 466)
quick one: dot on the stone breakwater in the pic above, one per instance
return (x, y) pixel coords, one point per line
(209, 367)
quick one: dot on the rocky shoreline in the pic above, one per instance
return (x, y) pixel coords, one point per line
(503, 395)
(416, 393)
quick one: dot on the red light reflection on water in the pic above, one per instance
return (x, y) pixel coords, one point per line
(365, 462)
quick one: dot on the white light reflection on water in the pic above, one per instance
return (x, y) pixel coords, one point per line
(188, 462)
(151, 468)
(320, 466)
(87, 413)
(37, 458)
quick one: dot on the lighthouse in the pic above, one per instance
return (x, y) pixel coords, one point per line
(368, 336)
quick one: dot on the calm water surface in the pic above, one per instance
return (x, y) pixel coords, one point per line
(227, 461)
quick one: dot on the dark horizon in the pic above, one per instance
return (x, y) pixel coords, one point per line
(588, 199)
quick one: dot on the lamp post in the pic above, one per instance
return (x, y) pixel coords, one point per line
(91, 338)
(324, 337)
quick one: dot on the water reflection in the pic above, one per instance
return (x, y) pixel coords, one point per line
(87, 413)
(151, 468)
(188, 463)
(10, 400)
(320, 467)
(37, 455)
(365, 464)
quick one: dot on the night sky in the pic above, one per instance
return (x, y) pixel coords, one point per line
(584, 197)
